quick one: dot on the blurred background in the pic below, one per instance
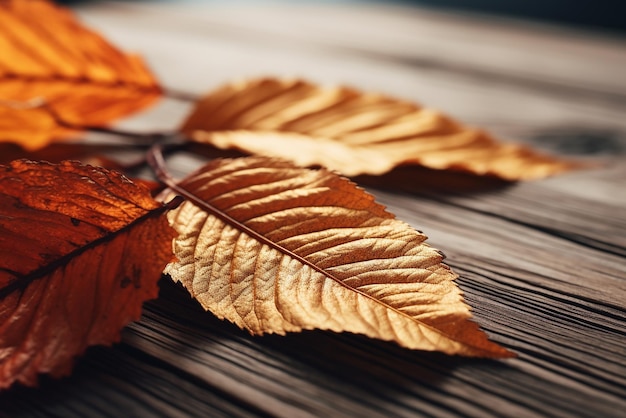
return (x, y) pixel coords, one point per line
(546, 72)
(599, 15)
(602, 15)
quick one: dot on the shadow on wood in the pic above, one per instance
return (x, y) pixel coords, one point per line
(296, 372)
(422, 180)
(133, 384)
(86, 153)
(412, 179)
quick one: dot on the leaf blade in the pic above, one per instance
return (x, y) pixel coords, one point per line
(84, 79)
(353, 133)
(275, 248)
(74, 280)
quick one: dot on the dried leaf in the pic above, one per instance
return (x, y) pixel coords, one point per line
(81, 248)
(275, 248)
(352, 132)
(48, 55)
(30, 126)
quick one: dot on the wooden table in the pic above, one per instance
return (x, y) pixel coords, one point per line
(541, 263)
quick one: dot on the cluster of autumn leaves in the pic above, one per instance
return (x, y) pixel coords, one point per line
(260, 241)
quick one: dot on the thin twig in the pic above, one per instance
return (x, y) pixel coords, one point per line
(141, 138)
(156, 161)
(180, 95)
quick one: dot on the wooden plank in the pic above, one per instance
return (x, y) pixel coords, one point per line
(206, 56)
(542, 263)
(543, 54)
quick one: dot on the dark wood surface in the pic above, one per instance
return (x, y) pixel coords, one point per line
(541, 263)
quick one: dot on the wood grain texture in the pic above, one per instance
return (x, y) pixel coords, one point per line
(542, 263)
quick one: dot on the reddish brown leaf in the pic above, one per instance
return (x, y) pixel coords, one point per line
(81, 248)
(47, 54)
(353, 132)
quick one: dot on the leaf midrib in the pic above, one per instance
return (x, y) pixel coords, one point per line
(22, 282)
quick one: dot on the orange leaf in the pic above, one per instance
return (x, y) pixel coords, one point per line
(30, 126)
(352, 132)
(275, 248)
(81, 248)
(48, 55)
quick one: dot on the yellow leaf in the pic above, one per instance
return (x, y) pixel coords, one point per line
(275, 248)
(48, 55)
(352, 132)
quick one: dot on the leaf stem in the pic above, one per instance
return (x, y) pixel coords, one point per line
(141, 138)
(180, 95)
(157, 163)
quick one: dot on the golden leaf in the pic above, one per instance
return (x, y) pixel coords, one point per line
(275, 248)
(81, 248)
(353, 132)
(48, 55)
